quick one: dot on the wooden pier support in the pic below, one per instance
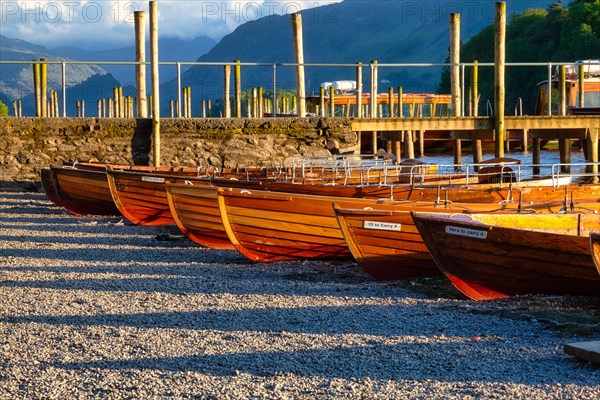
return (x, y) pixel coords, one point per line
(455, 91)
(237, 80)
(299, 53)
(36, 88)
(43, 87)
(155, 82)
(499, 66)
(140, 69)
(359, 113)
(227, 91)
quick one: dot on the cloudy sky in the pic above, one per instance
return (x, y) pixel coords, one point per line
(106, 24)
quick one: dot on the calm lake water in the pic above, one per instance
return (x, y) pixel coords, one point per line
(548, 159)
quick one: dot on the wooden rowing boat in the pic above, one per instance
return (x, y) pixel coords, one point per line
(490, 256)
(195, 210)
(386, 244)
(595, 247)
(83, 191)
(141, 197)
(274, 226)
(48, 187)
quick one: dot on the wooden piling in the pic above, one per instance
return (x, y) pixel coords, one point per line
(322, 101)
(391, 102)
(455, 90)
(43, 87)
(373, 106)
(593, 144)
(140, 69)
(237, 78)
(331, 102)
(499, 66)
(227, 91)
(564, 144)
(359, 111)
(36, 88)
(581, 76)
(477, 146)
(536, 148)
(400, 103)
(155, 82)
(299, 53)
(261, 110)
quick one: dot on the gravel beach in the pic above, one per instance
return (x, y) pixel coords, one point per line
(99, 308)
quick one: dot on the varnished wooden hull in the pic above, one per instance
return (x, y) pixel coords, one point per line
(526, 254)
(47, 180)
(272, 226)
(141, 196)
(195, 210)
(385, 243)
(595, 247)
(83, 191)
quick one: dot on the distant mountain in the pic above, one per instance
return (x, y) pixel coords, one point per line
(389, 31)
(170, 49)
(16, 80)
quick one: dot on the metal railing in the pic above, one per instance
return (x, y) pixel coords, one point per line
(274, 67)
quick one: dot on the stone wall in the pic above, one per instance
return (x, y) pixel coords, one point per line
(29, 144)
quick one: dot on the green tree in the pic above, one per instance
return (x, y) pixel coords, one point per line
(3, 109)
(557, 34)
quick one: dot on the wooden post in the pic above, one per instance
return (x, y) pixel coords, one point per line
(499, 65)
(208, 108)
(261, 110)
(155, 81)
(237, 78)
(398, 146)
(400, 102)
(593, 144)
(359, 113)
(43, 87)
(322, 101)
(374, 89)
(536, 147)
(203, 105)
(564, 144)
(391, 102)
(581, 75)
(299, 53)
(227, 91)
(410, 145)
(455, 79)
(477, 147)
(332, 102)
(140, 69)
(121, 102)
(255, 102)
(189, 101)
(36, 88)
(56, 104)
(562, 91)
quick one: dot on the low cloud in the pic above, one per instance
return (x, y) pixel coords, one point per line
(102, 24)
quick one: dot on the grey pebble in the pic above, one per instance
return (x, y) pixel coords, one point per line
(97, 308)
